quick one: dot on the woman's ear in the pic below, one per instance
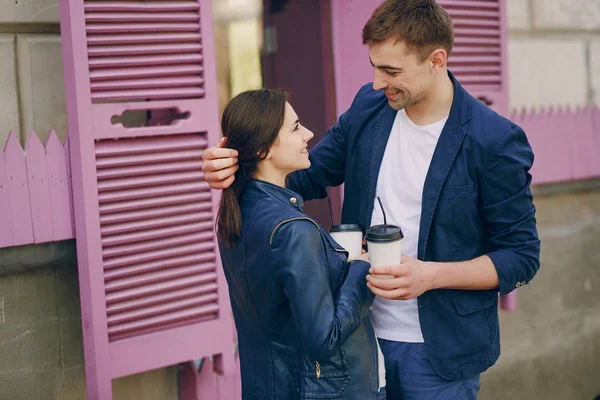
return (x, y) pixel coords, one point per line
(263, 156)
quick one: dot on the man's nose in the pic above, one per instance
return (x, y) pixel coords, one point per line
(379, 81)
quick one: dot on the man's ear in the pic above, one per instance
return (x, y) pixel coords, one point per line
(438, 59)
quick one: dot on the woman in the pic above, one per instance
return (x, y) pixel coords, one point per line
(299, 305)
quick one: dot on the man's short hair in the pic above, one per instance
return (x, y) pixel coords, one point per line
(422, 24)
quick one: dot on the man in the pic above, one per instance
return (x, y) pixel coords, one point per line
(454, 176)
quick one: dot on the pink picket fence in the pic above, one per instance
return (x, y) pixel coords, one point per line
(566, 142)
(35, 191)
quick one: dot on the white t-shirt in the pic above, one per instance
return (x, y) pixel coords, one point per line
(402, 175)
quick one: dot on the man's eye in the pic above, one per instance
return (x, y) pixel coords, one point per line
(393, 73)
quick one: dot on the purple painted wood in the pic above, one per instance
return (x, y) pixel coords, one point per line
(89, 251)
(70, 182)
(18, 191)
(509, 302)
(6, 230)
(198, 385)
(558, 159)
(58, 184)
(351, 58)
(153, 291)
(39, 193)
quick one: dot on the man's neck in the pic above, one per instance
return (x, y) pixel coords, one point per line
(435, 105)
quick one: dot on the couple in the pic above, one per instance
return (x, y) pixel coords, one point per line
(451, 172)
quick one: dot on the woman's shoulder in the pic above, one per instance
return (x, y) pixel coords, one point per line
(270, 215)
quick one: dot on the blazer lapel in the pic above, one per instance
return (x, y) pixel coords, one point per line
(444, 155)
(443, 158)
(383, 128)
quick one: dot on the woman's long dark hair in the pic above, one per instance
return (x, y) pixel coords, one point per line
(251, 122)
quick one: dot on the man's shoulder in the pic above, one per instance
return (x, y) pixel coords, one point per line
(486, 126)
(367, 103)
(366, 93)
(368, 98)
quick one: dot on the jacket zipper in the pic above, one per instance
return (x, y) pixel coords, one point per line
(318, 369)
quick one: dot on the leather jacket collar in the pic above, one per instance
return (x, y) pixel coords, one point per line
(257, 187)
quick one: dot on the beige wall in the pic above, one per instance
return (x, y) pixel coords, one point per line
(554, 52)
(31, 76)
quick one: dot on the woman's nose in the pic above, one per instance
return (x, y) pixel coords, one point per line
(309, 135)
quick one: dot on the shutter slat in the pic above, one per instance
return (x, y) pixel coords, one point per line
(459, 59)
(147, 83)
(161, 287)
(124, 195)
(149, 145)
(197, 312)
(143, 38)
(124, 172)
(475, 23)
(159, 309)
(194, 231)
(153, 234)
(142, 27)
(155, 94)
(133, 160)
(161, 201)
(151, 60)
(495, 33)
(161, 298)
(158, 255)
(468, 4)
(474, 69)
(164, 48)
(145, 72)
(140, 17)
(149, 180)
(141, 6)
(157, 265)
(486, 50)
(107, 221)
(164, 275)
(152, 223)
(150, 246)
(490, 14)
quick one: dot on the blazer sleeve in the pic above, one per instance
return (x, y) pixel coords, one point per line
(509, 211)
(300, 264)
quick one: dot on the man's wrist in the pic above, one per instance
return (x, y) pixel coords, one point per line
(434, 270)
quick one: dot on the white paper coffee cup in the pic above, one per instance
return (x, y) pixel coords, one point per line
(349, 236)
(385, 246)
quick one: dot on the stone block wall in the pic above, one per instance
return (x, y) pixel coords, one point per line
(554, 53)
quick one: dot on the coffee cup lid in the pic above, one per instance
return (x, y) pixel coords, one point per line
(384, 233)
(345, 228)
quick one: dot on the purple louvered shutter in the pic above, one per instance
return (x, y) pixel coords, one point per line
(478, 59)
(152, 289)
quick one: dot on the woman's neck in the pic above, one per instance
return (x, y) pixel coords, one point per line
(270, 175)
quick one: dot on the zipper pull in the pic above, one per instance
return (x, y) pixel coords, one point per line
(318, 369)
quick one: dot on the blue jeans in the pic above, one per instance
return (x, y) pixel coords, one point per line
(410, 376)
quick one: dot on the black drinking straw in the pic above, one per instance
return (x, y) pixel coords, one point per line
(330, 211)
(382, 210)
